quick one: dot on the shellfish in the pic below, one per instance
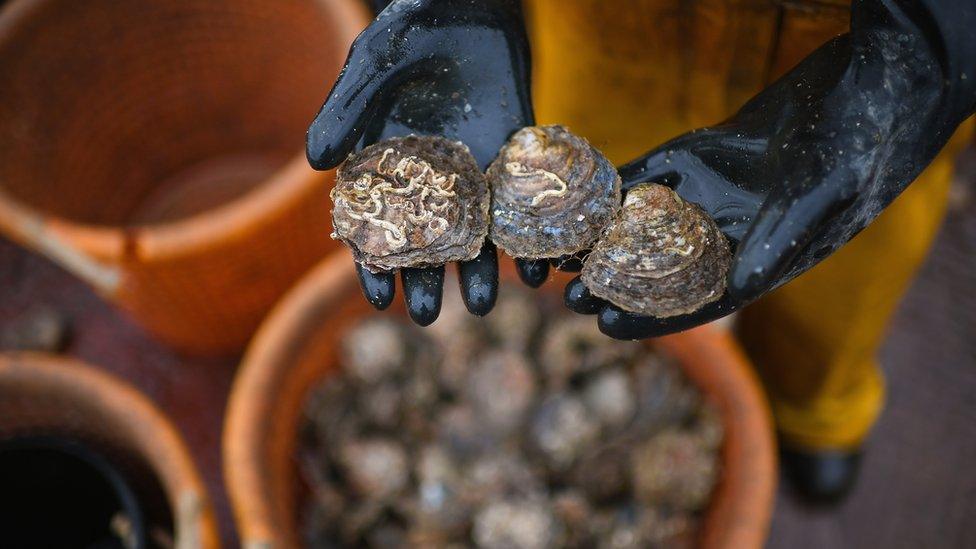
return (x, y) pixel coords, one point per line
(551, 193)
(614, 448)
(411, 202)
(661, 256)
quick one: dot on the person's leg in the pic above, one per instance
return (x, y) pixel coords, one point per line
(814, 341)
(598, 70)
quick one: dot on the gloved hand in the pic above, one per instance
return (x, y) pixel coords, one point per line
(456, 68)
(810, 161)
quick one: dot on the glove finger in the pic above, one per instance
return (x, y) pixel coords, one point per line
(789, 219)
(701, 167)
(479, 280)
(533, 272)
(572, 263)
(422, 289)
(350, 106)
(620, 324)
(379, 288)
(678, 160)
(654, 166)
(578, 298)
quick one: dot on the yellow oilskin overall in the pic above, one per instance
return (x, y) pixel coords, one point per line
(631, 74)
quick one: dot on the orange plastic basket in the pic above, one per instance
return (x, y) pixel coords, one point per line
(296, 348)
(154, 149)
(45, 395)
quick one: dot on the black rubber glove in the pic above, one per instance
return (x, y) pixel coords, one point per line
(456, 68)
(810, 161)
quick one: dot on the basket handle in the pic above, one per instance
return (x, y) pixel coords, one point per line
(30, 230)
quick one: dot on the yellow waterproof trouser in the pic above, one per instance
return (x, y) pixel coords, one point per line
(631, 74)
(815, 340)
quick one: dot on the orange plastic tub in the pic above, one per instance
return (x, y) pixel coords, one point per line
(295, 349)
(44, 395)
(155, 149)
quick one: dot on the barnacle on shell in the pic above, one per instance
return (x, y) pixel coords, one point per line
(551, 193)
(661, 256)
(411, 202)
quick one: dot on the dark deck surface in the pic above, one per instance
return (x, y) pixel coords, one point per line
(918, 484)
(918, 487)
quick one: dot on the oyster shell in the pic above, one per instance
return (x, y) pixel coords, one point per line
(551, 193)
(675, 468)
(411, 202)
(661, 256)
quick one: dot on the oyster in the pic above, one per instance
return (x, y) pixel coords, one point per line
(376, 468)
(524, 523)
(561, 429)
(411, 202)
(551, 193)
(675, 468)
(501, 387)
(661, 256)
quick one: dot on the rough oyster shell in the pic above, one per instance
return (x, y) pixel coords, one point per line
(411, 202)
(551, 193)
(661, 256)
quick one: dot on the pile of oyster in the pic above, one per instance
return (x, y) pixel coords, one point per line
(421, 201)
(505, 433)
